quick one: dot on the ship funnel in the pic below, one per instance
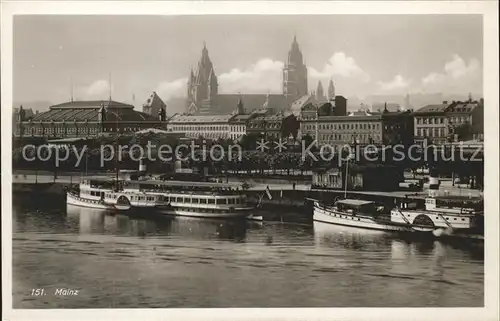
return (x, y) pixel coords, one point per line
(142, 166)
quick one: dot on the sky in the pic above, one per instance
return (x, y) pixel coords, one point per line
(363, 54)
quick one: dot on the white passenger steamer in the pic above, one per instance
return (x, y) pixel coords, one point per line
(442, 215)
(355, 213)
(196, 199)
(184, 198)
(110, 194)
(90, 193)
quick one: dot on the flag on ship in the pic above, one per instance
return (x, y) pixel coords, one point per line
(268, 192)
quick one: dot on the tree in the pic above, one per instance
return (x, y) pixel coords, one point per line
(248, 142)
(307, 139)
(462, 132)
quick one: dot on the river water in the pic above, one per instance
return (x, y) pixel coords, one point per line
(116, 261)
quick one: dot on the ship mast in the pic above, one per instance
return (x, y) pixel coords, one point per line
(346, 176)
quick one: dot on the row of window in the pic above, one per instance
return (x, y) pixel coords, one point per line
(360, 138)
(429, 120)
(207, 135)
(219, 201)
(238, 128)
(458, 120)
(431, 132)
(91, 193)
(184, 200)
(187, 128)
(60, 130)
(342, 126)
(265, 125)
(440, 120)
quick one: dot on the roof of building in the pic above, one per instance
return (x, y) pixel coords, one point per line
(436, 108)
(199, 118)
(463, 107)
(241, 117)
(297, 105)
(154, 99)
(363, 113)
(277, 117)
(391, 106)
(227, 103)
(92, 104)
(350, 118)
(28, 112)
(89, 111)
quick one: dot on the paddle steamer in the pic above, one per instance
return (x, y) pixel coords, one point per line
(442, 215)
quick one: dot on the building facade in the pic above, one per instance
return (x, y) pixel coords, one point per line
(86, 119)
(469, 113)
(211, 127)
(359, 177)
(339, 130)
(439, 123)
(359, 127)
(273, 127)
(430, 122)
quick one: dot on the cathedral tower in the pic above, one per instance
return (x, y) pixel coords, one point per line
(331, 91)
(320, 95)
(294, 74)
(202, 86)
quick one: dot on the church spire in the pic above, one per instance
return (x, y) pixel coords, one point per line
(331, 90)
(320, 96)
(241, 109)
(294, 74)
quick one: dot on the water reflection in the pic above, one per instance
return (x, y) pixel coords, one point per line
(90, 221)
(161, 261)
(348, 237)
(401, 247)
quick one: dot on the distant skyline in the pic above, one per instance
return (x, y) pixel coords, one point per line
(363, 54)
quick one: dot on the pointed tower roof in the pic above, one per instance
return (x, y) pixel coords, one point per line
(204, 68)
(240, 110)
(211, 76)
(331, 90)
(154, 99)
(319, 90)
(295, 55)
(191, 77)
(266, 103)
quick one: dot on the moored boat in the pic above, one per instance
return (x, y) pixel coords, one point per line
(443, 215)
(194, 199)
(356, 213)
(90, 193)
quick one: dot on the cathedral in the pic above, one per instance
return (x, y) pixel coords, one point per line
(203, 97)
(294, 74)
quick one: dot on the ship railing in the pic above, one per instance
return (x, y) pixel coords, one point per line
(404, 217)
(445, 220)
